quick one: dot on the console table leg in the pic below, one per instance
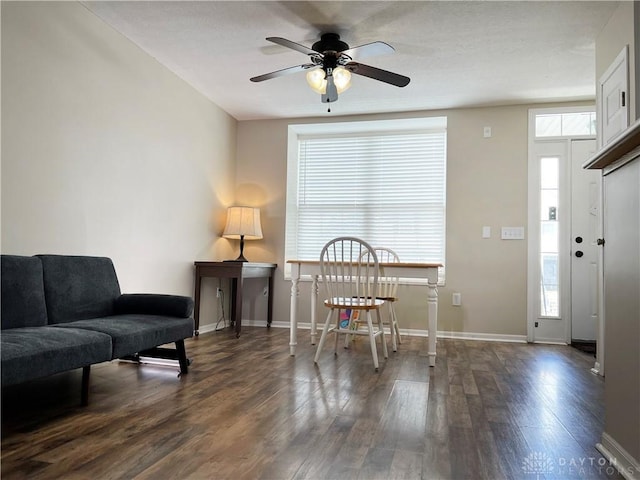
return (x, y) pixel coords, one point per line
(196, 307)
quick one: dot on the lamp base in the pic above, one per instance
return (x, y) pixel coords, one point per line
(241, 256)
(239, 259)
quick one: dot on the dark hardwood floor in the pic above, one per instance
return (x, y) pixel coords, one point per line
(247, 410)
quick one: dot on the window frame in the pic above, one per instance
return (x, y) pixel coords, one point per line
(296, 132)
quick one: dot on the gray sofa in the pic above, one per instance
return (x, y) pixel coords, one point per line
(66, 312)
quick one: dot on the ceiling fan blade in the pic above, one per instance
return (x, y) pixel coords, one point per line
(293, 45)
(378, 74)
(331, 94)
(285, 71)
(369, 50)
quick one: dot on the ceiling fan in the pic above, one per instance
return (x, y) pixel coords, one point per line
(331, 64)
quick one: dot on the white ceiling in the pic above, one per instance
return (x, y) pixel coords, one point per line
(457, 53)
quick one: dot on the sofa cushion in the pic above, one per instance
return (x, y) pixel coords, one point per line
(22, 302)
(154, 304)
(35, 352)
(134, 333)
(78, 288)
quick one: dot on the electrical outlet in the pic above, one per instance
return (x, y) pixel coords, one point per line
(218, 292)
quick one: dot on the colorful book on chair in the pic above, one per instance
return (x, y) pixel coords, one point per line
(345, 315)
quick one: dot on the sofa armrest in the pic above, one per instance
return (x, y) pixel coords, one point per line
(154, 304)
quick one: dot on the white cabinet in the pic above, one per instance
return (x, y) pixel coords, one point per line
(620, 162)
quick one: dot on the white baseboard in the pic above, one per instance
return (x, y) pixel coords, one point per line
(487, 337)
(618, 457)
(597, 369)
(211, 327)
(549, 341)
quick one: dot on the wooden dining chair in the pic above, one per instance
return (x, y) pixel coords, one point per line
(387, 291)
(349, 270)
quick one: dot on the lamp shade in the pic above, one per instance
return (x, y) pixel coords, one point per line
(243, 222)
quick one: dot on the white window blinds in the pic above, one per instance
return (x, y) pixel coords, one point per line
(386, 188)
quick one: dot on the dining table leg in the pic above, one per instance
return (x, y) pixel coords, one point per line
(314, 304)
(432, 310)
(293, 316)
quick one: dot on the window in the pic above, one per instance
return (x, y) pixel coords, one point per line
(549, 237)
(574, 124)
(381, 181)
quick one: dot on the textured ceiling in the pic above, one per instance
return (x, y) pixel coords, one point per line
(457, 53)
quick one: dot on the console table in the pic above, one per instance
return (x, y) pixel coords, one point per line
(237, 272)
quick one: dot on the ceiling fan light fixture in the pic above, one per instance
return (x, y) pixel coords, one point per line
(342, 79)
(318, 83)
(316, 80)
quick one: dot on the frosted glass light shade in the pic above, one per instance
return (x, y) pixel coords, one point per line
(318, 83)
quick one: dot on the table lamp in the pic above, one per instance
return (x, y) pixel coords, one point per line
(242, 223)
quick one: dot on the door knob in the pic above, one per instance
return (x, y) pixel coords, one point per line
(600, 241)
(579, 253)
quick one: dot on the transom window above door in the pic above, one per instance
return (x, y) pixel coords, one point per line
(571, 124)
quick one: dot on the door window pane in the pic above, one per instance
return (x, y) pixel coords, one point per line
(565, 124)
(549, 291)
(549, 237)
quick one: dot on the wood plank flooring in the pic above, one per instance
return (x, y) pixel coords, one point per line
(247, 410)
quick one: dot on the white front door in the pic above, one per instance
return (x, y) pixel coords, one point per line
(585, 231)
(564, 225)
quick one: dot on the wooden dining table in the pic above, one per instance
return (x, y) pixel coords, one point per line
(311, 269)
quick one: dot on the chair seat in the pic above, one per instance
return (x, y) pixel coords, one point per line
(354, 303)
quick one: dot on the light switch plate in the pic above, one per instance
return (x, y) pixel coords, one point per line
(456, 299)
(486, 232)
(512, 233)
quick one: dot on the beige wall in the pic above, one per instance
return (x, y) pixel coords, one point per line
(486, 185)
(106, 152)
